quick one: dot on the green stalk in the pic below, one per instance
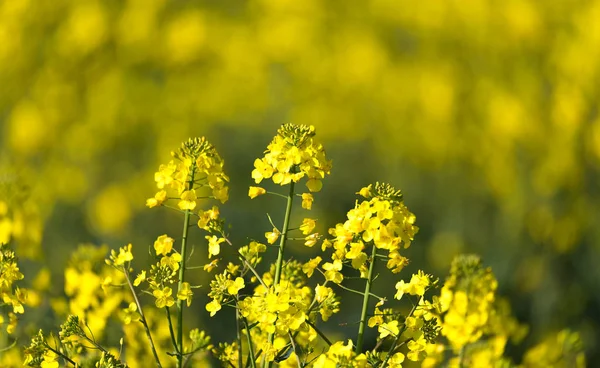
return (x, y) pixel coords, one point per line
(286, 224)
(282, 241)
(142, 317)
(365, 306)
(186, 225)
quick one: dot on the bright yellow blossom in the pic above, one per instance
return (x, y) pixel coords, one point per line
(307, 200)
(308, 225)
(213, 307)
(309, 267)
(163, 297)
(163, 245)
(254, 192)
(188, 200)
(185, 293)
(214, 246)
(272, 236)
(235, 286)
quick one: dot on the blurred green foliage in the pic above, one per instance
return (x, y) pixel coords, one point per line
(485, 114)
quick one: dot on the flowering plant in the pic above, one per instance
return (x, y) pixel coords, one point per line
(281, 312)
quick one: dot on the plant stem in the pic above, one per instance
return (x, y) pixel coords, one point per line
(186, 223)
(365, 306)
(286, 224)
(250, 347)
(171, 332)
(238, 331)
(61, 355)
(142, 318)
(279, 264)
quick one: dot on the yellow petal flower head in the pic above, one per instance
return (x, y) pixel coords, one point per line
(307, 200)
(235, 286)
(163, 297)
(386, 329)
(196, 167)
(213, 307)
(122, 257)
(308, 225)
(214, 245)
(292, 155)
(309, 267)
(185, 293)
(50, 360)
(188, 200)
(139, 279)
(254, 192)
(163, 245)
(272, 236)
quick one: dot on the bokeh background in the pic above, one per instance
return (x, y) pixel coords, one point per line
(484, 113)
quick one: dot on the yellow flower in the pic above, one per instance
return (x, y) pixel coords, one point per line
(386, 329)
(417, 349)
(185, 293)
(332, 271)
(49, 360)
(213, 307)
(163, 297)
(211, 266)
(308, 226)
(139, 279)
(188, 200)
(366, 191)
(255, 192)
(124, 255)
(157, 200)
(396, 360)
(171, 261)
(309, 267)
(261, 171)
(163, 245)
(307, 200)
(311, 240)
(272, 236)
(214, 247)
(235, 286)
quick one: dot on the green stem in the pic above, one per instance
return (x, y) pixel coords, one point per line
(142, 317)
(61, 355)
(365, 306)
(171, 332)
(251, 356)
(279, 264)
(186, 223)
(238, 331)
(286, 224)
(319, 332)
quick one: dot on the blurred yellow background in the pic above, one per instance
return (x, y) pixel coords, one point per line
(484, 113)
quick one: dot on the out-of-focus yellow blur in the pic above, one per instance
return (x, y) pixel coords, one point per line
(485, 114)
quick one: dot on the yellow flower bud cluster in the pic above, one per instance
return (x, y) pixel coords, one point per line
(10, 294)
(467, 299)
(382, 221)
(292, 155)
(197, 166)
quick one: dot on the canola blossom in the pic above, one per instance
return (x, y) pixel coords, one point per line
(281, 311)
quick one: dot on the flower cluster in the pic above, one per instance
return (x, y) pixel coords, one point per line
(10, 295)
(197, 166)
(280, 310)
(383, 221)
(292, 155)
